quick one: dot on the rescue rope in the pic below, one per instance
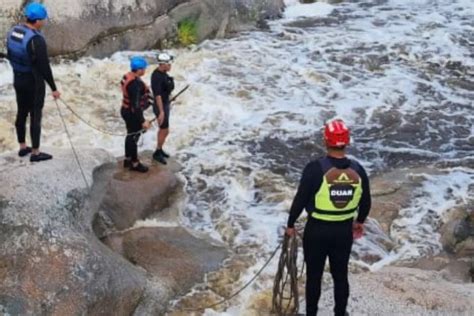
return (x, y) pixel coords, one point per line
(285, 288)
(246, 285)
(103, 131)
(72, 146)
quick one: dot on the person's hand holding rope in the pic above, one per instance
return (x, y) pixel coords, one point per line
(357, 230)
(56, 94)
(146, 125)
(290, 231)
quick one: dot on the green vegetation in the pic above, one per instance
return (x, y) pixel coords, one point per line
(187, 32)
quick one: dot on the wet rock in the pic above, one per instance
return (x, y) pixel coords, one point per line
(372, 3)
(379, 23)
(390, 120)
(455, 65)
(130, 196)
(375, 62)
(171, 254)
(466, 162)
(462, 83)
(459, 270)
(314, 22)
(466, 248)
(297, 151)
(348, 60)
(457, 231)
(391, 192)
(448, 234)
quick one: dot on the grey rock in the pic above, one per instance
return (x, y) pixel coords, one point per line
(50, 263)
(100, 28)
(51, 260)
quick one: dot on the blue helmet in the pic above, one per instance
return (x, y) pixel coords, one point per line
(36, 11)
(137, 63)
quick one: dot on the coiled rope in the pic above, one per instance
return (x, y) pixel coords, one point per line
(285, 299)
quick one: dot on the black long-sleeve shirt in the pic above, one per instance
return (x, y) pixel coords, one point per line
(38, 52)
(135, 93)
(310, 183)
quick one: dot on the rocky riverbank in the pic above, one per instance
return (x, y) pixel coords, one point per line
(51, 259)
(437, 284)
(100, 28)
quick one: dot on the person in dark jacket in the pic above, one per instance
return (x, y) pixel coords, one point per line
(28, 56)
(136, 98)
(162, 85)
(335, 192)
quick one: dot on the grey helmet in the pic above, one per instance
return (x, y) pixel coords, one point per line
(164, 58)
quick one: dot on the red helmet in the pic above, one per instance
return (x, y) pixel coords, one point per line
(336, 133)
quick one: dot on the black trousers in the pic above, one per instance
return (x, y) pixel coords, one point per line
(322, 240)
(30, 92)
(134, 125)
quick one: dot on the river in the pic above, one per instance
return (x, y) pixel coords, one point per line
(399, 72)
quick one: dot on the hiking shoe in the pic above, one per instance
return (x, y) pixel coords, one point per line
(165, 154)
(158, 156)
(40, 157)
(127, 163)
(139, 168)
(24, 151)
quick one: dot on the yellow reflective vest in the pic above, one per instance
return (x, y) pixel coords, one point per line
(339, 196)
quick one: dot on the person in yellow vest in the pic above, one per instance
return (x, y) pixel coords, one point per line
(335, 192)
(136, 98)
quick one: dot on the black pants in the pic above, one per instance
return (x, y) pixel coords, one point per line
(30, 92)
(322, 240)
(134, 125)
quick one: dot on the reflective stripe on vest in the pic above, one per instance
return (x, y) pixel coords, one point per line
(17, 43)
(145, 98)
(339, 196)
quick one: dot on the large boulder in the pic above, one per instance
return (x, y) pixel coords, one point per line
(391, 192)
(100, 28)
(132, 196)
(50, 261)
(170, 254)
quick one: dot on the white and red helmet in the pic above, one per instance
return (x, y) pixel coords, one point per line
(336, 133)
